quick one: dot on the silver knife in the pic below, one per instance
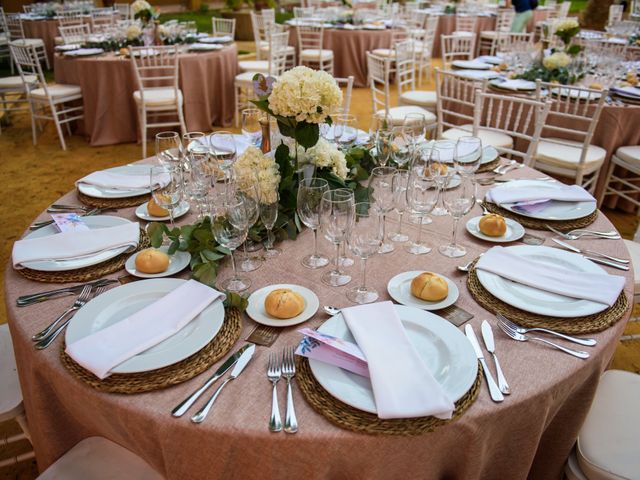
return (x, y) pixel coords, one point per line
(494, 391)
(183, 406)
(487, 336)
(237, 370)
(590, 252)
(25, 300)
(598, 260)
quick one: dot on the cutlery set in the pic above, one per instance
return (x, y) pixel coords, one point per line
(84, 212)
(596, 257)
(277, 369)
(507, 167)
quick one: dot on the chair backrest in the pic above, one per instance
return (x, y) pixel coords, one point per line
(262, 27)
(269, 14)
(26, 59)
(102, 19)
(456, 97)
(310, 37)
(457, 47)
(513, 41)
(155, 67)
(124, 9)
(598, 46)
(615, 13)
(518, 117)
(347, 84)
(563, 8)
(277, 60)
(378, 75)
(70, 17)
(14, 26)
(74, 33)
(504, 20)
(28, 8)
(223, 26)
(3, 21)
(405, 66)
(466, 23)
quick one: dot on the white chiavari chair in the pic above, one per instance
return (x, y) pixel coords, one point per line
(615, 14)
(490, 39)
(625, 186)
(424, 48)
(28, 8)
(397, 36)
(514, 42)
(59, 99)
(124, 9)
(4, 39)
(457, 47)
(70, 17)
(223, 27)
(102, 19)
(17, 37)
(311, 43)
(159, 100)
(574, 114)
(456, 101)
(303, 12)
(406, 82)
(347, 85)
(74, 34)
(520, 118)
(263, 25)
(563, 8)
(466, 25)
(14, 96)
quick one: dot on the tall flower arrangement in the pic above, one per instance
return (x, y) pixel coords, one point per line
(143, 11)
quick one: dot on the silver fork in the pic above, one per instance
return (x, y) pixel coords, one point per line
(587, 342)
(44, 223)
(274, 374)
(45, 342)
(576, 236)
(288, 372)
(524, 338)
(82, 298)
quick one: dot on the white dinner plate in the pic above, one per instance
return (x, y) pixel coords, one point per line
(241, 142)
(477, 74)
(445, 351)
(94, 222)
(143, 213)
(102, 192)
(399, 287)
(121, 302)
(537, 301)
(221, 39)
(257, 312)
(204, 47)
(68, 47)
(514, 232)
(555, 210)
(522, 85)
(471, 65)
(84, 52)
(565, 92)
(177, 262)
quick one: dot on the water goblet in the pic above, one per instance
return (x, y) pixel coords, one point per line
(346, 130)
(459, 201)
(251, 127)
(166, 184)
(402, 147)
(223, 149)
(422, 194)
(336, 216)
(309, 196)
(399, 188)
(269, 215)
(248, 190)
(380, 185)
(364, 241)
(168, 148)
(446, 152)
(415, 126)
(383, 141)
(467, 155)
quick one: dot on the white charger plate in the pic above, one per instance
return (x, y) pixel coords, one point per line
(525, 86)
(445, 351)
(399, 287)
(84, 52)
(477, 74)
(222, 39)
(204, 47)
(555, 210)
(537, 301)
(492, 59)
(514, 232)
(143, 213)
(102, 192)
(177, 262)
(471, 64)
(94, 222)
(257, 312)
(121, 302)
(489, 153)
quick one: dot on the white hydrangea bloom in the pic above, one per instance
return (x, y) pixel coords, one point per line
(133, 32)
(325, 155)
(305, 94)
(253, 165)
(567, 24)
(140, 5)
(556, 60)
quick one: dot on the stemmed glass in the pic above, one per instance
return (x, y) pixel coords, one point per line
(223, 148)
(444, 172)
(422, 194)
(399, 188)
(459, 201)
(168, 147)
(251, 127)
(402, 146)
(384, 139)
(229, 225)
(249, 191)
(336, 216)
(269, 215)
(167, 186)
(380, 185)
(364, 241)
(415, 126)
(345, 129)
(200, 178)
(468, 155)
(308, 207)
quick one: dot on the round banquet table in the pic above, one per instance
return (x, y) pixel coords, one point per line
(108, 82)
(529, 435)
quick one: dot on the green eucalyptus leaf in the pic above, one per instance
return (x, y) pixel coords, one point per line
(286, 129)
(237, 301)
(206, 273)
(173, 247)
(156, 232)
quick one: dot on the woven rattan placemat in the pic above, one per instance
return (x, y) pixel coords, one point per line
(487, 167)
(537, 224)
(350, 418)
(167, 376)
(113, 202)
(576, 325)
(86, 274)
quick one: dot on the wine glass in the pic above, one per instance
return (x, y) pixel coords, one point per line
(446, 151)
(336, 217)
(401, 147)
(459, 201)
(167, 186)
(345, 130)
(415, 126)
(248, 190)
(399, 188)
(223, 148)
(364, 241)
(384, 138)
(199, 179)
(189, 138)
(229, 225)
(269, 215)
(422, 194)
(468, 155)
(168, 147)
(308, 207)
(380, 185)
(251, 127)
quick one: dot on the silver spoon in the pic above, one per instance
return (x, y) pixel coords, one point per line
(467, 266)
(331, 310)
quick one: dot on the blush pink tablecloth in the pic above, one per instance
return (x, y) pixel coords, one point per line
(529, 435)
(47, 30)
(108, 83)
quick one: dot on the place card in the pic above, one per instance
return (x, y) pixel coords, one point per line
(455, 315)
(264, 335)
(69, 222)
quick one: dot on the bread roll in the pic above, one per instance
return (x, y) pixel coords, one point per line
(493, 225)
(156, 210)
(152, 261)
(430, 287)
(440, 168)
(284, 303)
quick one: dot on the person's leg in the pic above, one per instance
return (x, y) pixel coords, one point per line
(521, 20)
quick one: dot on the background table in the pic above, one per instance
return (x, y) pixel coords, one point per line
(529, 435)
(108, 83)
(47, 30)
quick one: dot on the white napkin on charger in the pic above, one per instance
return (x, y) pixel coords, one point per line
(597, 287)
(403, 386)
(118, 181)
(516, 84)
(74, 244)
(564, 193)
(101, 351)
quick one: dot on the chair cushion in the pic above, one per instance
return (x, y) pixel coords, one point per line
(634, 253)
(397, 114)
(384, 52)
(35, 42)
(246, 79)
(462, 33)
(57, 91)
(607, 446)
(100, 459)
(16, 81)
(629, 154)
(157, 97)
(265, 48)
(260, 66)
(567, 154)
(422, 98)
(312, 54)
(488, 34)
(488, 137)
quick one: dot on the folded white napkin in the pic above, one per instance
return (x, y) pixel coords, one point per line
(109, 347)
(74, 244)
(479, 74)
(118, 181)
(240, 141)
(564, 193)
(403, 386)
(205, 46)
(516, 84)
(597, 287)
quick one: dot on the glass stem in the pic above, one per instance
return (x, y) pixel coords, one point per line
(244, 249)
(419, 240)
(384, 228)
(315, 242)
(269, 239)
(455, 230)
(400, 223)
(173, 225)
(233, 265)
(364, 274)
(338, 257)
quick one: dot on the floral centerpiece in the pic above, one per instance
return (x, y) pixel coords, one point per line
(143, 11)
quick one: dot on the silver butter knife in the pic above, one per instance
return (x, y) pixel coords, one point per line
(494, 391)
(237, 370)
(183, 406)
(590, 252)
(487, 336)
